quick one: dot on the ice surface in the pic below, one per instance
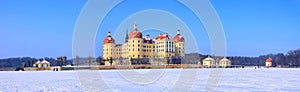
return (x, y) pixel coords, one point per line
(273, 79)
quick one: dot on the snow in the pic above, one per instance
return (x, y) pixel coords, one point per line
(154, 80)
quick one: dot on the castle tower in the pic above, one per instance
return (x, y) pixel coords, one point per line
(135, 43)
(179, 44)
(108, 46)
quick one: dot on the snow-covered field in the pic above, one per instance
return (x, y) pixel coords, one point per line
(151, 80)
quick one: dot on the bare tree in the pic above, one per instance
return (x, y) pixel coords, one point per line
(77, 60)
(99, 60)
(64, 58)
(90, 60)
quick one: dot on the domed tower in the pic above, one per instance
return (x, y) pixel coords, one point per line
(178, 38)
(135, 43)
(179, 44)
(108, 47)
(135, 34)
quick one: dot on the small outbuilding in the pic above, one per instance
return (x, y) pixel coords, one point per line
(41, 64)
(224, 62)
(209, 62)
(45, 63)
(268, 62)
(37, 64)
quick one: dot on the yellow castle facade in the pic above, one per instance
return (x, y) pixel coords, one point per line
(138, 47)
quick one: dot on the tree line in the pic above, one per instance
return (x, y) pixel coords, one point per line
(290, 59)
(29, 61)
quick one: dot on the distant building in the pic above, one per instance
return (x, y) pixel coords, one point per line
(268, 62)
(224, 62)
(45, 63)
(209, 62)
(42, 64)
(139, 49)
(37, 64)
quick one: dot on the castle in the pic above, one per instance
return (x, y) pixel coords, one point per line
(140, 50)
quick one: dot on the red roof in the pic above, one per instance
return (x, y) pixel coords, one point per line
(108, 40)
(178, 38)
(135, 34)
(162, 37)
(269, 60)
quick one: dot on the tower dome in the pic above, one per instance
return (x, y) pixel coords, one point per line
(135, 33)
(108, 39)
(178, 37)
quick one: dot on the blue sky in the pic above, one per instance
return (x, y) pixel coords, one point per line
(40, 28)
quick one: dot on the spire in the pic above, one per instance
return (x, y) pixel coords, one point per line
(178, 31)
(134, 26)
(126, 38)
(108, 34)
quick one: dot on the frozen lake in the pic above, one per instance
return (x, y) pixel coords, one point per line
(154, 80)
